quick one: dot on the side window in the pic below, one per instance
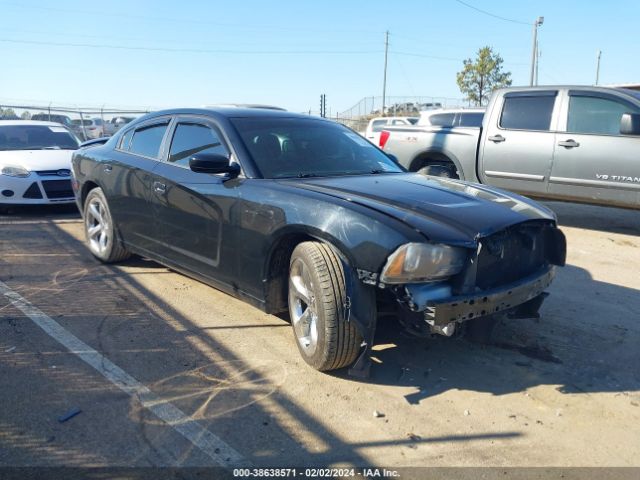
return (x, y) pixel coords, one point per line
(126, 140)
(442, 119)
(595, 115)
(378, 125)
(192, 138)
(471, 119)
(527, 112)
(146, 141)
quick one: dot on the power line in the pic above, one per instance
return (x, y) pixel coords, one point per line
(492, 14)
(190, 50)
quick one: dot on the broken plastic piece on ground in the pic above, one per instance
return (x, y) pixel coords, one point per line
(69, 415)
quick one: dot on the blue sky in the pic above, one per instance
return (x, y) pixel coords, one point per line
(195, 52)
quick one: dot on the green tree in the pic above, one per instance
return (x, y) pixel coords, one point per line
(8, 113)
(25, 115)
(481, 77)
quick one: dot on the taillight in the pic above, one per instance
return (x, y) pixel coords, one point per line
(384, 136)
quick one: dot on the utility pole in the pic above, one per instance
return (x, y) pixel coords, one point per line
(539, 54)
(598, 66)
(534, 49)
(384, 81)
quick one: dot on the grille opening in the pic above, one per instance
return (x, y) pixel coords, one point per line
(57, 189)
(33, 191)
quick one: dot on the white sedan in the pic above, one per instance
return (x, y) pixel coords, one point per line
(35, 163)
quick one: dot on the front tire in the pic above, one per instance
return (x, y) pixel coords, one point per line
(100, 232)
(447, 171)
(317, 294)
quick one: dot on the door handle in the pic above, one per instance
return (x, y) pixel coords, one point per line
(569, 143)
(497, 139)
(108, 168)
(159, 187)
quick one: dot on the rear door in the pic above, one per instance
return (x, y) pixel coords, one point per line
(593, 161)
(126, 180)
(192, 210)
(518, 144)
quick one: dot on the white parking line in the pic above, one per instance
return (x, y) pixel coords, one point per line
(207, 442)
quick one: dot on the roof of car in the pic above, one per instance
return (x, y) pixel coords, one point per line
(28, 123)
(229, 112)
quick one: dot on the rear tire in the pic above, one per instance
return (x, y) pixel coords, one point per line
(447, 171)
(317, 295)
(100, 232)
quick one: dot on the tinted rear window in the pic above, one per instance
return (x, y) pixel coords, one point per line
(378, 125)
(146, 141)
(527, 113)
(470, 119)
(442, 119)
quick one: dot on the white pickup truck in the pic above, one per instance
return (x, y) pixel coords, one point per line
(378, 124)
(571, 143)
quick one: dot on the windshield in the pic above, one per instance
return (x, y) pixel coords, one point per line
(36, 137)
(294, 147)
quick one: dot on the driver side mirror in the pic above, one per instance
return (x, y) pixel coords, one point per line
(630, 124)
(213, 163)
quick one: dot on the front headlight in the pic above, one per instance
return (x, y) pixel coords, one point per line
(15, 171)
(423, 262)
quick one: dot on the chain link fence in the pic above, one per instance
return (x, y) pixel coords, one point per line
(358, 116)
(86, 122)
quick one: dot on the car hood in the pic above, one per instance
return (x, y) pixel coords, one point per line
(37, 160)
(444, 210)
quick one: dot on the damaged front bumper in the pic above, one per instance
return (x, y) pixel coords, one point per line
(442, 310)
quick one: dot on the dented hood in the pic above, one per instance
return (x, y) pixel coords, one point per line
(444, 210)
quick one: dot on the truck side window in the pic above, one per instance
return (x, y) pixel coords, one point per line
(595, 115)
(527, 112)
(442, 119)
(470, 119)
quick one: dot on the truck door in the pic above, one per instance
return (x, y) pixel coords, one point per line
(517, 146)
(593, 161)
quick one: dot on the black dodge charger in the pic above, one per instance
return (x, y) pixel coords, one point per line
(293, 212)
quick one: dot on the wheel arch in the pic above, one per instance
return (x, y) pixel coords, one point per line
(276, 265)
(86, 188)
(430, 157)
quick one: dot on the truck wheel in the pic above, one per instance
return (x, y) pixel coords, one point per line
(100, 231)
(325, 338)
(448, 171)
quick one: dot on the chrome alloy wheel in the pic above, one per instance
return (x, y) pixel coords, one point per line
(97, 226)
(302, 307)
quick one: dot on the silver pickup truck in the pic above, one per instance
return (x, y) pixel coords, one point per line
(571, 143)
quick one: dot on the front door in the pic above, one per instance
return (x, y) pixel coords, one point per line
(193, 210)
(517, 146)
(593, 162)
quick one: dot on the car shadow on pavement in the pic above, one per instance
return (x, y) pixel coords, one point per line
(582, 347)
(159, 345)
